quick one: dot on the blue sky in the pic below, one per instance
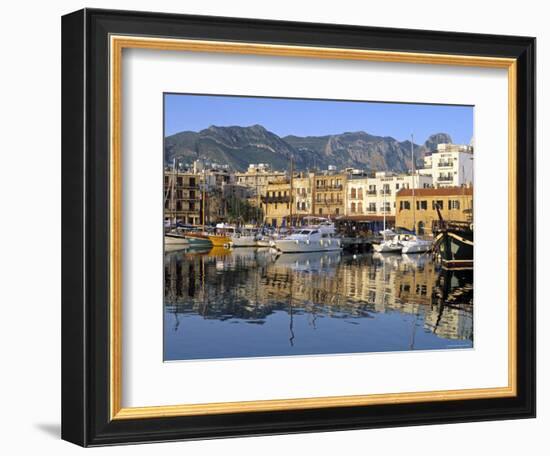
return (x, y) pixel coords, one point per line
(318, 117)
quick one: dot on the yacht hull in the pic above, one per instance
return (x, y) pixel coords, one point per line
(387, 248)
(292, 246)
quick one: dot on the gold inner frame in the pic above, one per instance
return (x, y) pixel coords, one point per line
(117, 44)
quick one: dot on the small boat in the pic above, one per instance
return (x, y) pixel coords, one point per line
(175, 238)
(243, 237)
(219, 240)
(413, 244)
(197, 239)
(312, 238)
(389, 244)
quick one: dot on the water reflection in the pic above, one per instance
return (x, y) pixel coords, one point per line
(250, 302)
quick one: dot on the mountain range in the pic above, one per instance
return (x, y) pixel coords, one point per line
(238, 146)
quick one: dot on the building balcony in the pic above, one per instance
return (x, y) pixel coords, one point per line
(329, 187)
(385, 192)
(275, 199)
(445, 164)
(329, 203)
(445, 178)
(371, 192)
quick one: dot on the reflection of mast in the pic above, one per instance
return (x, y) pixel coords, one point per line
(291, 185)
(291, 326)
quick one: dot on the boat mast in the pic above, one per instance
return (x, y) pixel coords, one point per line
(384, 207)
(291, 185)
(203, 199)
(413, 173)
(172, 194)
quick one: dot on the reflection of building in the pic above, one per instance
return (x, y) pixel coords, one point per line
(252, 285)
(451, 165)
(182, 196)
(376, 195)
(455, 203)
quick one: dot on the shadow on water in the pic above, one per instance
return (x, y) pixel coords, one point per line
(251, 302)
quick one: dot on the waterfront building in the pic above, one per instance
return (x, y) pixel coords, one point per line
(182, 197)
(276, 203)
(329, 192)
(455, 203)
(451, 165)
(258, 176)
(376, 196)
(302, 191)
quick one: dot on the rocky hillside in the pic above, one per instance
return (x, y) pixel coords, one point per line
(239, 146)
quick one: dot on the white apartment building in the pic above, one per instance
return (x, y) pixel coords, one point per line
(451, 165)
(376, 195)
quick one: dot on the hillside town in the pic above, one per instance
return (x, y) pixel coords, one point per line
(206, 194)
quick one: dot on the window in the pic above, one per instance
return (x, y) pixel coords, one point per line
(320, 211)
(404, 205)
(397, 186)
(454, 204)
(353, 193)
(438, 203)
(360, 208)
(318, 197)
(372, 207)
(353, 207)
(421, 205)
(337, 210)
(360, 193)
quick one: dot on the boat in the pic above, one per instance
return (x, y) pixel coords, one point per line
(219, 240)
(319, 237)
(198, 239)
(239, 237)
(413, 244)
(454, 243)
(410, 241)
(389, 244)
(175, 239)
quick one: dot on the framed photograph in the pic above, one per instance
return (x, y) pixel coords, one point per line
(269, 227)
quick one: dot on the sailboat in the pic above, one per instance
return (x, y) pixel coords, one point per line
(411, 242)
(205, 238)
(174, 239)
(390, 242)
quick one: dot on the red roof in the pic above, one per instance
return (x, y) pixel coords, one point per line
(441, 191)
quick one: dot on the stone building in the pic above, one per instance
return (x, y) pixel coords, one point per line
(182, 197)
(419, 211)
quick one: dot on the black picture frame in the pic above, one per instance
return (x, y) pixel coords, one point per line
(85, 228)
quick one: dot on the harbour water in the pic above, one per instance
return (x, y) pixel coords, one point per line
(250, 302)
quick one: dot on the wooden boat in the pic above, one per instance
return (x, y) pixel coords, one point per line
(454, 243)
(196, 239)
(219, 240)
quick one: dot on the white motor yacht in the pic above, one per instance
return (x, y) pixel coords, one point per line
(389, 244)
(313, 238)
(414, 244)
